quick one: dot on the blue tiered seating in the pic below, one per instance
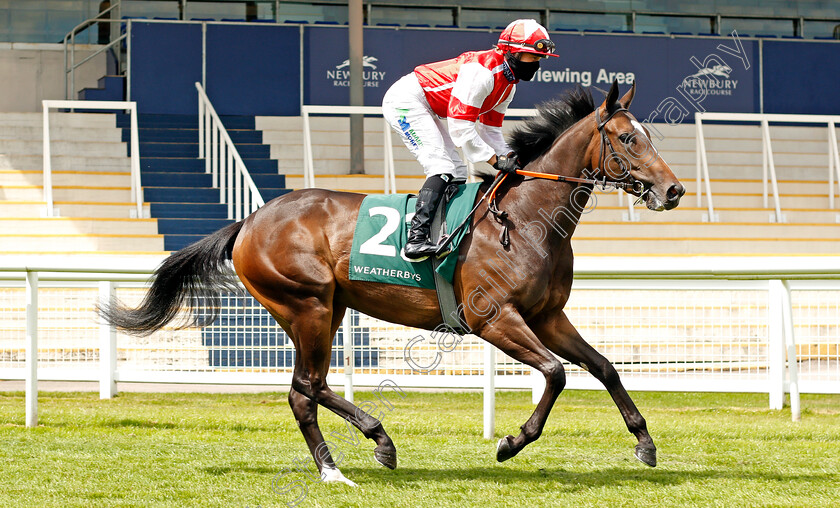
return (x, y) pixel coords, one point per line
(242, 338)
(180, 193)
(109, 88)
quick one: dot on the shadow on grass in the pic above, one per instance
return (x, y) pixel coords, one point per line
(575, 480)
(146, 424)
(223, 470)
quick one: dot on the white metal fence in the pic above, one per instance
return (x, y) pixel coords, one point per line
(666, 324)
(768, 161)
(134, 143)
(221, 159)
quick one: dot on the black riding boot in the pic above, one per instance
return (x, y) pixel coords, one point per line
(419, 245)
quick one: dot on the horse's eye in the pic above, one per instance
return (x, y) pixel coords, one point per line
(626, 138)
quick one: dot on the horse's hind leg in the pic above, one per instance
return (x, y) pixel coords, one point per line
(306, 414)
(314, 331)
(564, 340)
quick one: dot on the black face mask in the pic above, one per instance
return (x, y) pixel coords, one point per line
(522, 70)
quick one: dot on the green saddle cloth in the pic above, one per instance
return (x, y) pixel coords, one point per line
(382, 230)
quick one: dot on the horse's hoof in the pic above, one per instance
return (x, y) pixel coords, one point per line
(646, 455)
(504, 450)
(386, 456)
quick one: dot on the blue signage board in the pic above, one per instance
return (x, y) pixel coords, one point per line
(799, 77)
(255, 70)
(389, 55)
(676, 76)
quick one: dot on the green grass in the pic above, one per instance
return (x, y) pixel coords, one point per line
(144, 449)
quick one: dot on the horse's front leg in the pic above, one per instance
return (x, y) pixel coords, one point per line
(511, 334)
(561, 337)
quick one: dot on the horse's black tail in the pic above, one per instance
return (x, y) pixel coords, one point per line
(194, 276)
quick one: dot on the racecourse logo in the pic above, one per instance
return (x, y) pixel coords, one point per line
(710, 80)
(340, 76)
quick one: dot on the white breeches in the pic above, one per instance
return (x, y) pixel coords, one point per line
(424, 133)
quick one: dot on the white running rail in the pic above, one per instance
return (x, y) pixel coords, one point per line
(236, 188)
(768, 162)
(764, 331)
(131, 107)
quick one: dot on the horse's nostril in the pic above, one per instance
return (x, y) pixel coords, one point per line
(675, 192)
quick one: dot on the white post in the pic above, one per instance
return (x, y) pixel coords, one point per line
(237, 196)
(489, 390)
(246, 197)
(214, 152)
(107, 347)
(765, 127)
(790, 344)
(699, 132)
(48, 195)
(31, 349)
(537, 386)
(229, 195)
(705, 166)
(223, 177)
(764, 168)
(390, 177)
(631, 212)
(200, 125)
(835, 153)
(775, 346)
(208, 125)
(349, 355)
(136, 186)
(308, 162)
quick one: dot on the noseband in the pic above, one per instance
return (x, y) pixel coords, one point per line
(636, 185)
(604, 182)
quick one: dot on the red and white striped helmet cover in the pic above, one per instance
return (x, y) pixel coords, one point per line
(521, 35)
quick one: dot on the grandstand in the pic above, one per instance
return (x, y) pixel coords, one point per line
(260, 62)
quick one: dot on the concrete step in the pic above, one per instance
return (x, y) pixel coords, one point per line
(22, 243)
(34, 162)
(74, 226)
(685, 213)
(79, 148)
(71, 209)
(742, 200)
(793, 158)
(36, 133)
(751, 144)
(87, 120)
(363, 183)
(688, 171)
(67, 193)
(66, 178)
(689, 245)
(739, 231)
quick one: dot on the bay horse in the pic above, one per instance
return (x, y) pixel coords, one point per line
(293, 256)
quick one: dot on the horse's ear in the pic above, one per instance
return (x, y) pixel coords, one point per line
(628, 97)
(612, 96)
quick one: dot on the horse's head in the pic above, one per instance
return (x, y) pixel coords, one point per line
(623, 152)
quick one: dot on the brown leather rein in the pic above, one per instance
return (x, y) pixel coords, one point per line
(604, 183)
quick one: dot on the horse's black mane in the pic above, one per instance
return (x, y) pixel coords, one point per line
(554, 117)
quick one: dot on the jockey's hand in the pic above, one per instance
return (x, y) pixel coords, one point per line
(507, 163)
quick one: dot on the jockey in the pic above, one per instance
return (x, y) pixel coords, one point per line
(461, 102)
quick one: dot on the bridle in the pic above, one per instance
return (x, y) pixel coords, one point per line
(604, 183)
